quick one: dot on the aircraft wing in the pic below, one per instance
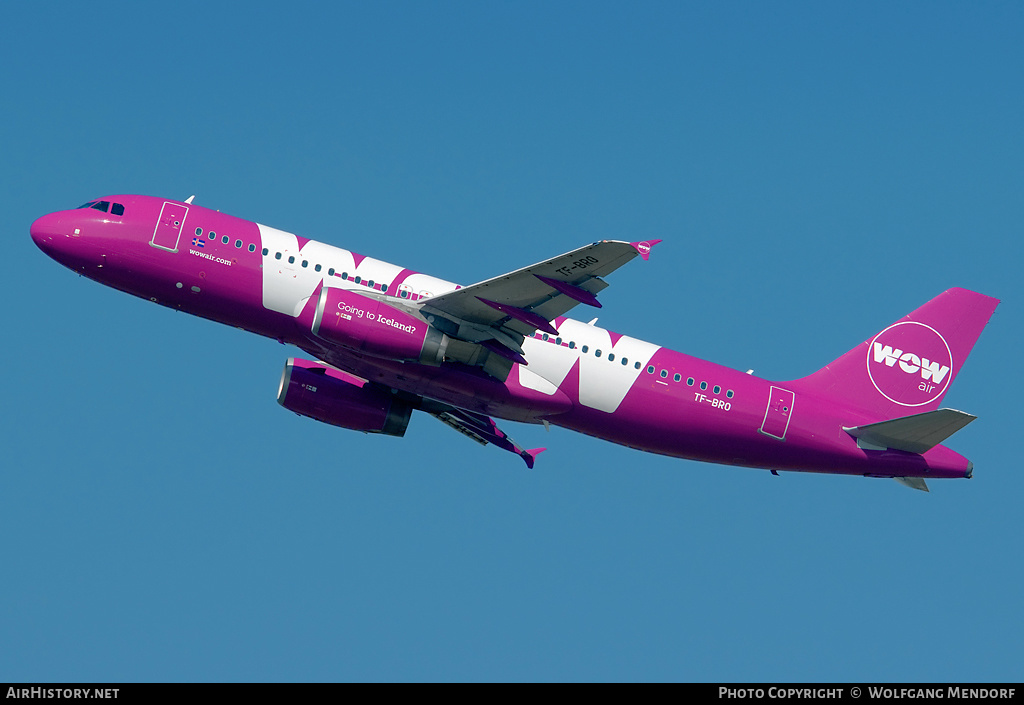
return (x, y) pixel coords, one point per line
(499, 312)
(483, 430)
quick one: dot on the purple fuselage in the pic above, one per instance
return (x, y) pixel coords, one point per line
(585, 378)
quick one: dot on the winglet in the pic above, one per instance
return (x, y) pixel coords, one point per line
(530, 456)
(644, 248)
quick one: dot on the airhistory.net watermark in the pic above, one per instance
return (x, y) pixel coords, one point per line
(62, 693)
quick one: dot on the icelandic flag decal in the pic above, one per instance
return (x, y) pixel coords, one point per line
(198, 242)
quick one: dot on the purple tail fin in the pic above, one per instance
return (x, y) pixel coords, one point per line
(907, 368)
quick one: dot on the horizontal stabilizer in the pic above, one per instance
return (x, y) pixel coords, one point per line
(915, 434)
(914, 483)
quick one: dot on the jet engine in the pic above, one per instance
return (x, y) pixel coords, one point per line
(373, 327)
(312, 389)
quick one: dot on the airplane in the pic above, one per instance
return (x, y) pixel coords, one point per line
(387, 341)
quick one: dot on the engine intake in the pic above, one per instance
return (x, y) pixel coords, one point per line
(323, 393)
(373, 327)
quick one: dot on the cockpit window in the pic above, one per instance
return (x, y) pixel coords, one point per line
(105, 206)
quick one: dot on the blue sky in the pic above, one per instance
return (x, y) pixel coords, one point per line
(816, 172)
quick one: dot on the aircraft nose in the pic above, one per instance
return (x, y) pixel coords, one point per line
(44, 230)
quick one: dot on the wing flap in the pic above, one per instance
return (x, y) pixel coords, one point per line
(915, 434)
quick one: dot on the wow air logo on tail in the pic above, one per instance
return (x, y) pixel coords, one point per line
(909, 363)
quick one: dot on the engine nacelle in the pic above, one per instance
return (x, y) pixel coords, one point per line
(373, 327)
(312, 389)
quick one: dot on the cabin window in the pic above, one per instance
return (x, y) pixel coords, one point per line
(305, 263)
(225, 239)
(213, 235)
(676, 377)
(637, 365)
(357, 279)
(265, 252)
(597, 353)
(238, 244)
(344, 276)
(252, 248)
(277, 255)
(199, 231)
(584, 349)
(317, 268)
(689, 381)
(330, 272)
(611, 357)
(291, 259)
(650, 369)
(405, 294)
(384, 288)
(703, 386)
(717, 389)
(730, 394)
(572, 344)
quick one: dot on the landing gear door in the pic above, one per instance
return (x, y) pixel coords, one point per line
(778, 413)
(168, 227)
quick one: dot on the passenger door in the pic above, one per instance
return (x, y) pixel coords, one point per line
(168, 226)
(778, 413)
